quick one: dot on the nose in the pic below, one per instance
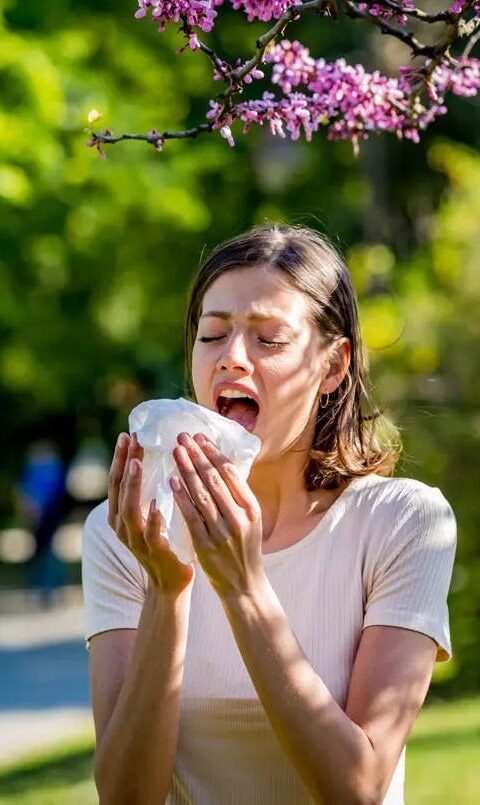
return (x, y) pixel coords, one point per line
(234, 355)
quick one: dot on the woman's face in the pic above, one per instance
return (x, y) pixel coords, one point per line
(255, 338)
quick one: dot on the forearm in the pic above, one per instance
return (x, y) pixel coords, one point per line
(332, 755)
(136, 755)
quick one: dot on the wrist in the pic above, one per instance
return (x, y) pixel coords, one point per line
(170, 599)
(252, 596)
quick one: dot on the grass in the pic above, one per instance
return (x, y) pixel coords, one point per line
(443, 755)
(442, 764)
(64, 776)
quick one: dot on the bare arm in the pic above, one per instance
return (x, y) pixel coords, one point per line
(136, 686)
(342, 757)
(136, 674)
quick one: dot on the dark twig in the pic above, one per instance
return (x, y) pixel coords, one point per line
(153, 137)
(217, 62)
(440, 16)
(408, 39)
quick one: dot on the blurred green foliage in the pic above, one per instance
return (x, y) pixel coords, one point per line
(96, 255)
(429, 372)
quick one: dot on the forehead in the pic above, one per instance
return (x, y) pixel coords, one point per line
(256, 292)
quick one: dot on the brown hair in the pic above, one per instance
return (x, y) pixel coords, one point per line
(352, 438)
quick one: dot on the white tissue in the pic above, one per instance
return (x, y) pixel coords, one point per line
(157, 424)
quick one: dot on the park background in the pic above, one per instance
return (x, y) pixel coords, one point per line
(96, 257)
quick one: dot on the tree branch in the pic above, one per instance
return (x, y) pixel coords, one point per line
(224, 110)
(154, 137)
(418, 14)
(405, 36)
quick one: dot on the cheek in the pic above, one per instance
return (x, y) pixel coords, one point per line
(199, 372)
(293, 377)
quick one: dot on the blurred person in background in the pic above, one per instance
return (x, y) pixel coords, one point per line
(40, 495)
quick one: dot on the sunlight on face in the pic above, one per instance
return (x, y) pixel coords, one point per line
(255, 331)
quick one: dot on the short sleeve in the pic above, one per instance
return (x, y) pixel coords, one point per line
(114, 583)
(412, 571)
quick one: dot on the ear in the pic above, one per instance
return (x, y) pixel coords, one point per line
(336, 365)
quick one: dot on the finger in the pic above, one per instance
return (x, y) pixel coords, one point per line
(227, 470)
(215, 484)
(130, 512)
(196, 525)
(155, 531)
(115, 476)
(135, 450)
(197, 490)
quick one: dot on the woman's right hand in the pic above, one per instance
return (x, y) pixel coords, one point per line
(146, 539)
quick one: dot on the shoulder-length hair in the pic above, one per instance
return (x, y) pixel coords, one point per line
(352, 438)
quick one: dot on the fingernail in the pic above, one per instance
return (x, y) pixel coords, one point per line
(175, 483)
(200, 438)
(153, 506)
(122, 440)
(185, 438)
(133, 469)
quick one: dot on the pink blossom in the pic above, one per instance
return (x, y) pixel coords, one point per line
(459, 6)
(221, 71)
(263, 10)
(199, 13)
(226, 132)
(252, 75)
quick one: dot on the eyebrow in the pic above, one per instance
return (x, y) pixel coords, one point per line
(221, 314)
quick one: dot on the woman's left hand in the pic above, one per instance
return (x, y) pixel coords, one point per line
(222, 514)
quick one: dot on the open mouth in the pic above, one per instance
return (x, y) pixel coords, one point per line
(243, 410)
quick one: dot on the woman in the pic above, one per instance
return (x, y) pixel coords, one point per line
(288, 666)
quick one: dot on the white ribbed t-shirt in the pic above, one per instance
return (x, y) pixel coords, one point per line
(381, 555)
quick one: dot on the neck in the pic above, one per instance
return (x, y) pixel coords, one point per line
(280, 489)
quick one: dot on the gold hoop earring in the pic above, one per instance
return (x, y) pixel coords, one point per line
(327, 395)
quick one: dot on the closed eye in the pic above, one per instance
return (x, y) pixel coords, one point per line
(272, 343)
(206, 340)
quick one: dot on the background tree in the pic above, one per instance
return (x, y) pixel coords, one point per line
(96, 256)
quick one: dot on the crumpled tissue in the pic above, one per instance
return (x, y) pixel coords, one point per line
(157, 424)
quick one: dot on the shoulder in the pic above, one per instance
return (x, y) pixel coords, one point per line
(114, 583)
(400, 496)
(97, 534)
(97, 519)
(402, 509)
(408, 555)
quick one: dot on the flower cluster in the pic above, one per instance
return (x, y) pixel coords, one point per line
(346, 97)
(461, 78)
(202, 13)
(350, 101)
(264, 10)
(293, 65)
(386, 13)
(199, 13)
